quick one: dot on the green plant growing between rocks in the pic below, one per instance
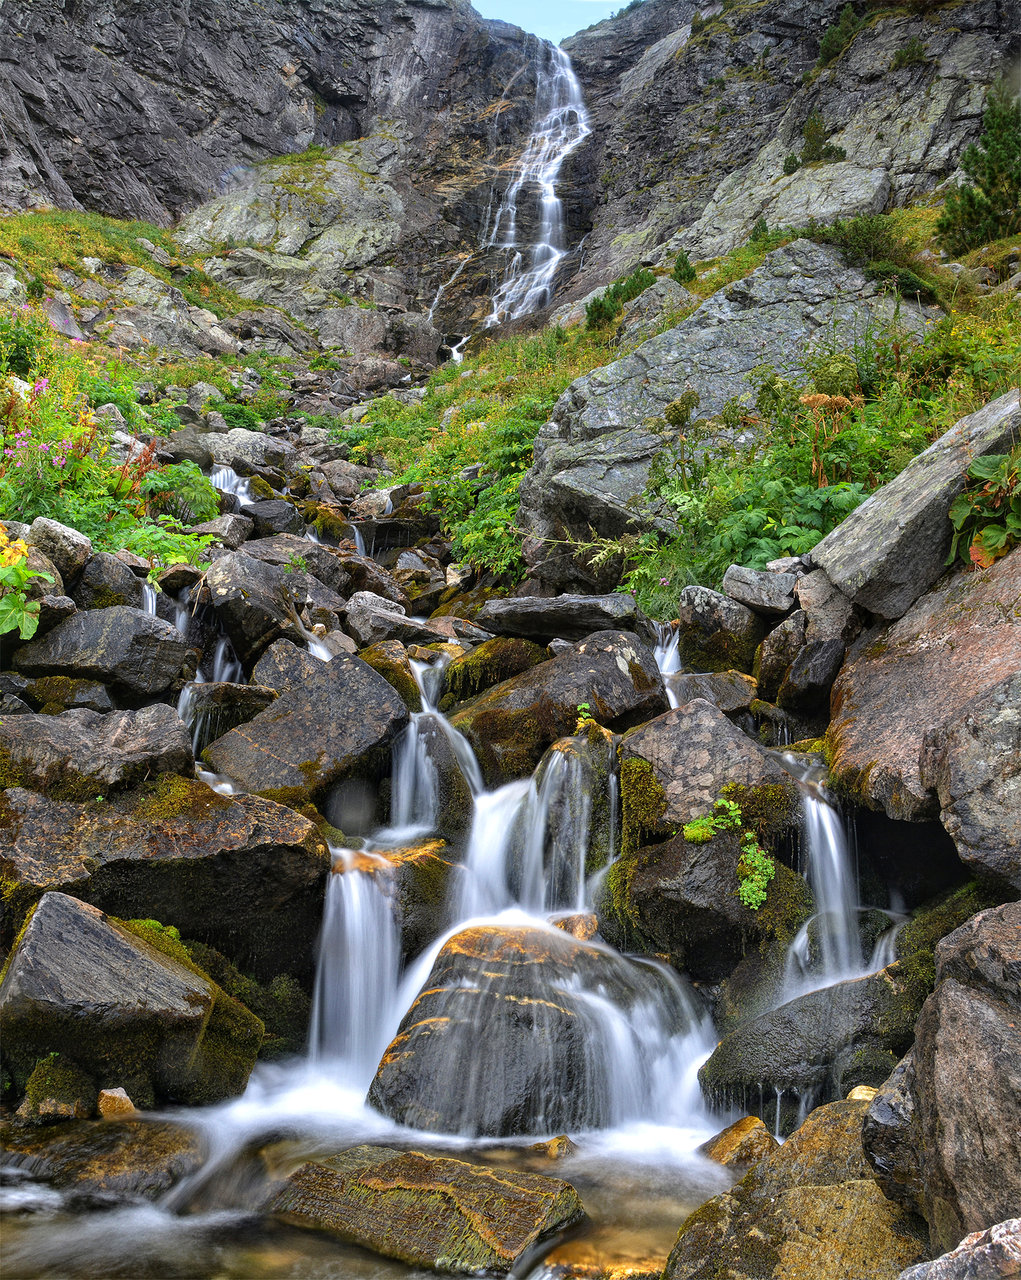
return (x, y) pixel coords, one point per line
(987, 515)
(991, 208)
(683, 271)
(836, 38)
(17, 612)
(911, 54)
(605, 309)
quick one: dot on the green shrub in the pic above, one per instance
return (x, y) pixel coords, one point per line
(181, 491)
(909, 55)
(605, 309)
(791, 163)
(683, 271)
(815, 133)
(237, 415)
(991, 209)
(986, 516)
(836, 38)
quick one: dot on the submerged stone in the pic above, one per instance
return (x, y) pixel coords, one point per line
(428, 1211)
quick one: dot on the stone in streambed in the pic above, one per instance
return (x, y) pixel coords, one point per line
(775, 654)
(106, 581)
(566, 616)
(770, 594)
(117, 1158)
(488, 664)
(79, 755)
(67, 548)
(119, 646)
(745, 1142)
(239, 873)
(253, 602)
(716, 633)
(512, 724)
(82, 984)
(808, 1211)
(390, 659)
(339, 722)
(428, 1210)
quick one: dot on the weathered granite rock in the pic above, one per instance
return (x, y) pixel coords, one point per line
(566, 616)
(428, 1211)
(230, 530)
(214, 707)
(675, 768)
(954, 647)
(490, 663)
(512, 724)
(829, 613)
(974, 765)
(715, 632)
(62, 693)
(67, 548)
(894, 546)
(778, 650)
(655, 309)
(809, 679)
(771, 594)
(81, 984)
(325, 563)
(743, 1143)
(273, 516)
(808, 1210)
(105, 581)
(593, 459)
(239, 873)
(251, 449)
(337, 723)
(120, 646)
(941, 1134)
(984, 1255)
(81, 754)
(254, 602)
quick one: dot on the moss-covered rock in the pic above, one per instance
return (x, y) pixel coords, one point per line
(389, 658)
(58, 1089)
(807, 1211)
(428, 1210)
(488, 664)
(126, 1003)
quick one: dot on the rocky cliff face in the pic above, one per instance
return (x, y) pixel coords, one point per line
(694, 114)
(146, 110)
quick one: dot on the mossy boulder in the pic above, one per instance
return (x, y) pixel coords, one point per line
(338, 723)
(488, 664)
(418, 879)
(426, 1210)
(715, 633)
(239, 873)
(57, 1090)
(389, 658)
(79, 755)
(136, 1159)
(612, 674)
(106, 581)
(64, 693)
(124, 1002)
(808, 1211)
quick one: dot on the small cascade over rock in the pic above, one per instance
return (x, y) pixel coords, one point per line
(668, 659)
(561, 125)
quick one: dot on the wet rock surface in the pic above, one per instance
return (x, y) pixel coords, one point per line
(428, 1210)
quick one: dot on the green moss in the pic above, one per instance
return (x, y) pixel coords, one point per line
(261, 487)
(490, 664)
(171, 797)
(106, 598)
(767, 810)
(943, 915)
(395, 670)
(68, 783)
(642, 802)
(58, 1089)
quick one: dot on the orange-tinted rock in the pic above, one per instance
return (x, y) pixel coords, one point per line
(745, 1142)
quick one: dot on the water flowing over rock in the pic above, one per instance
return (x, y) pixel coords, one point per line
(894, 546)
(544, 1021)
(941, 1133)
(144, 1014)
(593, 460)
(511, 725)
(428, 1210)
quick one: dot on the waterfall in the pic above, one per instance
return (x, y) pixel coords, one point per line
(149, 598)
(227, 480)
(561, 125)
(668, 659)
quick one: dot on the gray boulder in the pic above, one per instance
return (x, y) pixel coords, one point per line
(339, 722)
(119, 646)
(106, 581)
(252, 449)
(894, 546)
(771, 594)
(715, 632)
(273, 516)
(778, 650)
(941, 1135)
(566, 616)
(253, 601)
(593, 460)
(229, 530)
(81, 984)
(82, 754)
(994, 1254)
(67, 548)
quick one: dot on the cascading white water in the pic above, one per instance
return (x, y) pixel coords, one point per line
(359, 968)
(561, 125)
(668, 659)
(149, 598)
(227, 480)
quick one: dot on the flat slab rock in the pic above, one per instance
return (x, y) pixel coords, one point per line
(919, 678)
(570, 617)
(427, 1210)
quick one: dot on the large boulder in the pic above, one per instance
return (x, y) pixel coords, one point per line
(106, 581)
(253, 602)
(68, 549)
(240, 873)
(505, 1012)
(984, 1255)
(83, 985)
(928, 702)
(249, 450)
(716, 633)
(427, 1210)
(808, 1211)
(82, 754)
(894, 546)
(594, 460)
(941, 1134)
(568, 617)
(819, 1046)
(337, 723)
(611, 676)
(134, 652)
(487, 664)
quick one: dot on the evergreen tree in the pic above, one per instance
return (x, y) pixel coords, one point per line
(991, 209)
